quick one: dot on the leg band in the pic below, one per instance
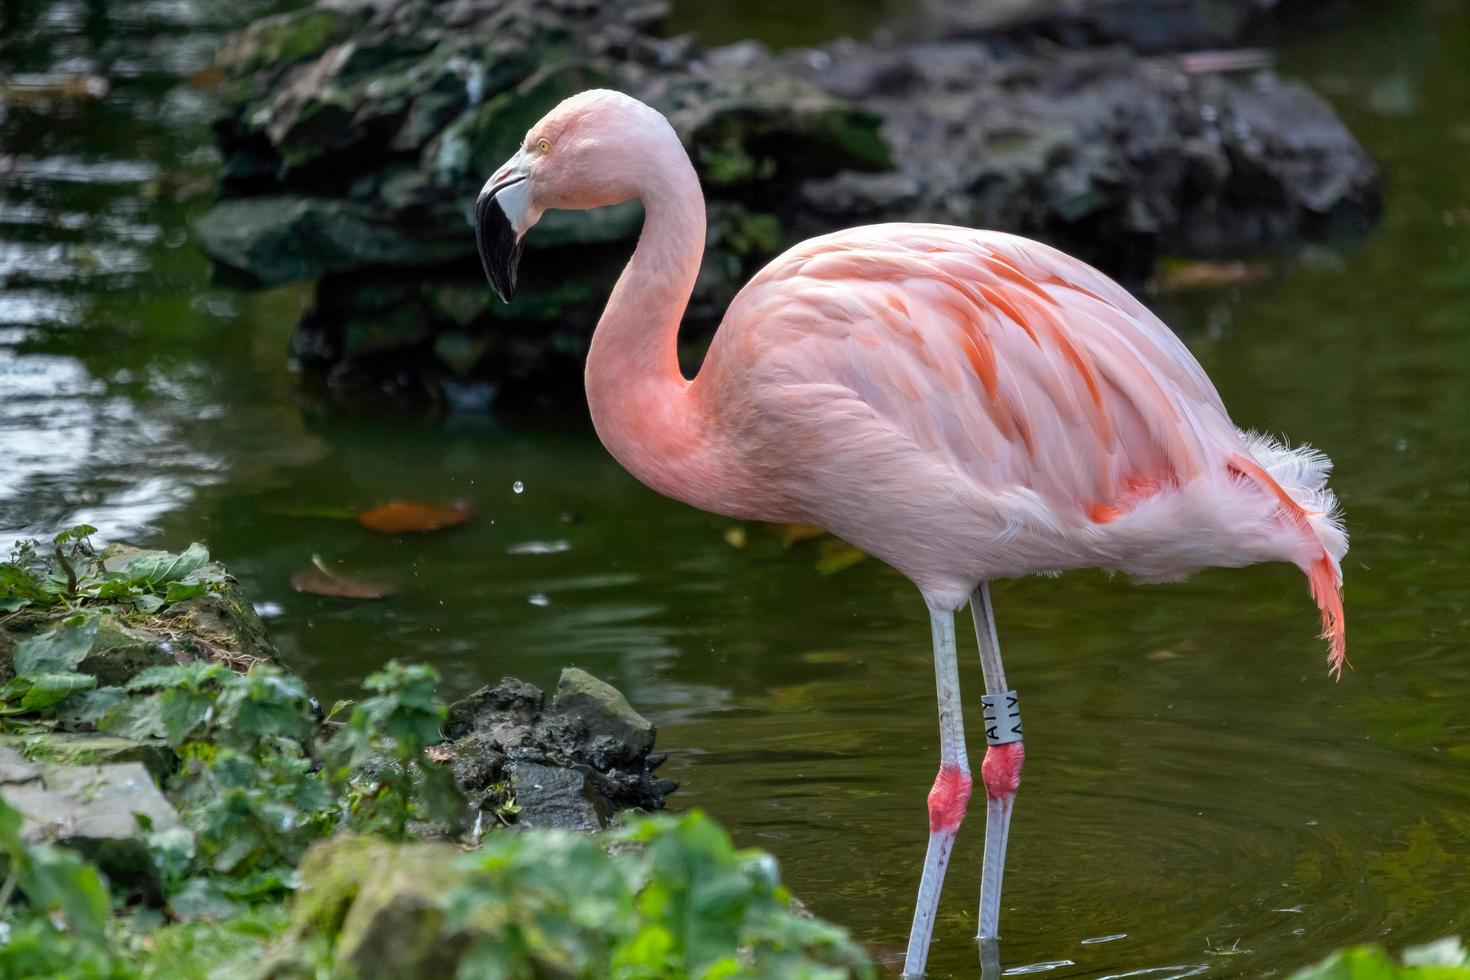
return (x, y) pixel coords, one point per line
(1002, 718)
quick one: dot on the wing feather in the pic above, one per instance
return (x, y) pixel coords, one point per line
(982, 348)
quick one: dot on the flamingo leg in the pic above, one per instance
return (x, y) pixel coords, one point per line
(1001, 770)
(950, 795)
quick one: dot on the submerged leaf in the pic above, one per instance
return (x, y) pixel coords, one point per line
(321, 580)
(1203, 274)
(402, 516)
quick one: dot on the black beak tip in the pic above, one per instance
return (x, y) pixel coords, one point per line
(499, 246)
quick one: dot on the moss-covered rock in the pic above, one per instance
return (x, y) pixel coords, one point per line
(95, 749)
(277, 239)
(377, 907)
(354, 150)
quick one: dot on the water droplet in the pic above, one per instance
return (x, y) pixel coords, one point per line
(539, 599)
(518, 487)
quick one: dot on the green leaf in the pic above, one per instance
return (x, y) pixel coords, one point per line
(203, 898)
(76, 533)
(192, 675)
(12, 604)
(182, 712)
(139, 718)
(179, 591)
(57, 651)
(16, 582)
(159, 568)
(148, 603)
(48, 689)
(87, 707)
(1372, 963)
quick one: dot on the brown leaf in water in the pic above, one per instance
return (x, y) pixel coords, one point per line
(405, 516)
(1175, 277)
(321, 580)
(207, 78)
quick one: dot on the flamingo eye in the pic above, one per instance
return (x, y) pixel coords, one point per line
(543, 146)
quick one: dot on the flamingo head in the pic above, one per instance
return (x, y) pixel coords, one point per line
(593, 150)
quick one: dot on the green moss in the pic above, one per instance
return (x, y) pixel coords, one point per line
(284, 40)
(95, 749)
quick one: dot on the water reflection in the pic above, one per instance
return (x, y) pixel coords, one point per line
(1199, 800)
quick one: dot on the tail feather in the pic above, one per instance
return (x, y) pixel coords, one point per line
(1298, 479)
(1326, 585)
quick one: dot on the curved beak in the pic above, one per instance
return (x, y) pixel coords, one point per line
(503, 215)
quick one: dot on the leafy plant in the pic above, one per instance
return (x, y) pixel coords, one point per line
(1446, 959)
(378, 755)
(44, 667)
(71, 572)
(674, 898)
(60, 928)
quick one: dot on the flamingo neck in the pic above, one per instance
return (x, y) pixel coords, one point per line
(645, 412)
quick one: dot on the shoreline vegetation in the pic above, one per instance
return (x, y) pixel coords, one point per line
(173, 803)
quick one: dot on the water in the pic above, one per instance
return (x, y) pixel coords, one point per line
(1199, 799)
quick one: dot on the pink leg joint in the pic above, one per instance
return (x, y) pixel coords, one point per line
(949, 799)
(1001, 771)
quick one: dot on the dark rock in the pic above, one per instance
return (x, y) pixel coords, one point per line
(507, 740)
(279, 239)
(1104, 154)
(553, 797)
(615, 732)
(365, 132)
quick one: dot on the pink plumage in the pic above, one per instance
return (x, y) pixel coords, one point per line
(965, 405)
(971, 405)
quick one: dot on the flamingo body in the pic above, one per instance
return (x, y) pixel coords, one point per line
(971, 405)
(965, 405)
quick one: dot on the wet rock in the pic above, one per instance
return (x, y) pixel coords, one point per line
(615, 732)
(354, 156)
(570, 761)
(546, 796)
(275, 239)
(221, 625)
(1144, 25)
(1107, 155)
(98, 811)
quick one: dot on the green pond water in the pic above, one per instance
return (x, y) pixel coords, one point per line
(1199, 798)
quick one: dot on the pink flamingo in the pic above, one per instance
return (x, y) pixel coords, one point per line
(965, 405)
